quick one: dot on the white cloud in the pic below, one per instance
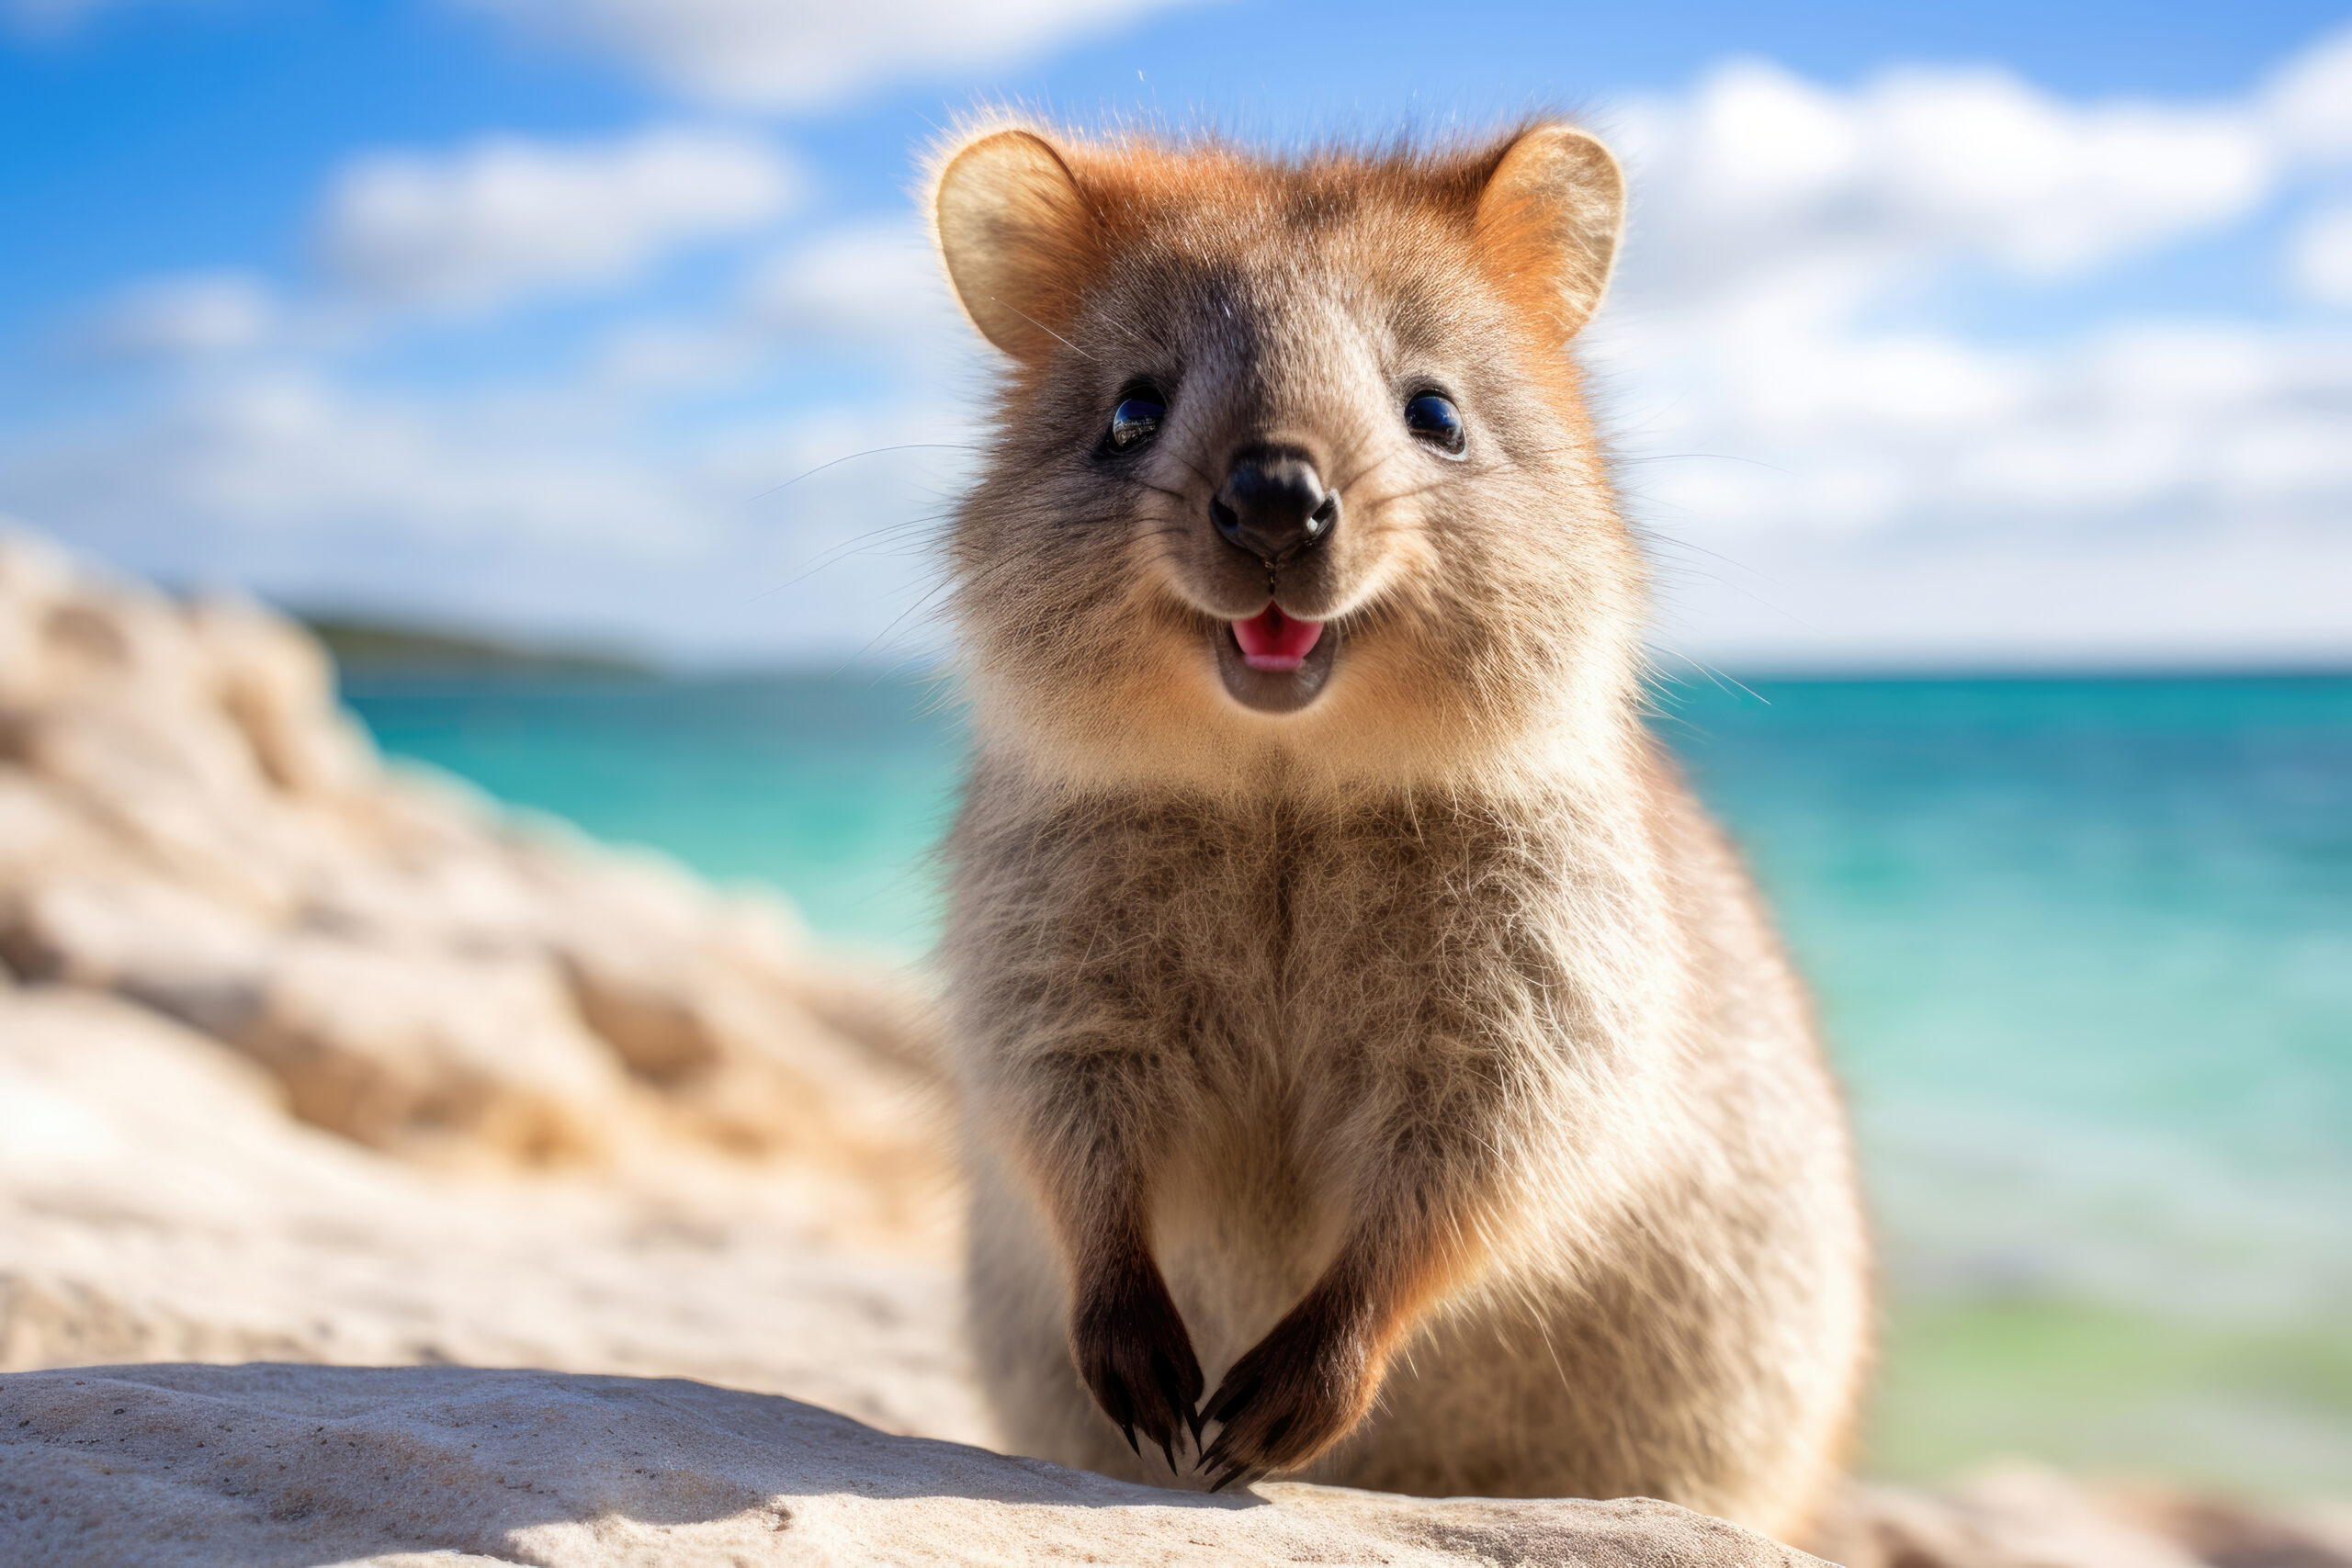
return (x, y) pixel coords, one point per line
(872, 290)
(1834, 472)
(2173, 598)
(1758, 170)
(2319, 257)
(192, 314)
(805, 53)
(2310, 101)
(255, 450)
(564, 499)
(507, 216)
(871, 281)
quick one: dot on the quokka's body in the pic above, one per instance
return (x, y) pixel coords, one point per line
(1357, 1019)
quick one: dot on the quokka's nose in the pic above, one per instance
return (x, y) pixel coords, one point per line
(1273, 505)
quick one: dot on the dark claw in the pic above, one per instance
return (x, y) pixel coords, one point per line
(1133, 1354)
(1236, 1471)
(1118, 1404)
(1163, 1371)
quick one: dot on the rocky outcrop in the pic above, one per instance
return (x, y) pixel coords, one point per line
(158, 1203)
(2018, 1516)
(133, 1466)
(189, 822)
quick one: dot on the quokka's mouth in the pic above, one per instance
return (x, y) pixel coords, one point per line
(1274, 662)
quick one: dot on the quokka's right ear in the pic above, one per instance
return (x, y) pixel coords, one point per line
(1016, 236)
(1549, 221)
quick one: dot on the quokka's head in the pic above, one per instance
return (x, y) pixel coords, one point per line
(1290, 474)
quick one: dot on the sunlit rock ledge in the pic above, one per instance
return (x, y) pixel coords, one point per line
(309, 1065)
(274, 1464)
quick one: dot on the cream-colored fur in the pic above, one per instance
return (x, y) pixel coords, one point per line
(1410, 1079)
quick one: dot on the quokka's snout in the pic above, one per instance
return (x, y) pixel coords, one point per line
(1272, 507)
(1255, 511)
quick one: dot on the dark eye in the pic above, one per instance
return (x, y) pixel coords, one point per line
(1433, 418)
(1136, 418)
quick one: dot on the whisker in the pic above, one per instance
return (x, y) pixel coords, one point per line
(1699, 456)
(877, 639)
(1049, 331)
(869, 452)
(1370, 469)
(1344, 458)
(1195, 469)
(1397, 495)
(834, 555)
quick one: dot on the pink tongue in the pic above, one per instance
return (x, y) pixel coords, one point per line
(1271, 640)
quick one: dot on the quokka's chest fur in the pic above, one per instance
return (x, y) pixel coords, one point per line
(1294, 935)
(1274, 966)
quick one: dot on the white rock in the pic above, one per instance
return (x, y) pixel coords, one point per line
(431, 1051)
(271, 1465)
(189, 957)
(45, 833)
(187, 819)
(2019, 1516)
(278, 686)
(156, 1201)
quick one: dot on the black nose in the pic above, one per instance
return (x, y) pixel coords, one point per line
(1273, 505)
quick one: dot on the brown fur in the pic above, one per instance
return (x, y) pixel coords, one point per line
(1414, 1072)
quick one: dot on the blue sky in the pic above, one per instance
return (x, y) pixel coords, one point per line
(1984, 335)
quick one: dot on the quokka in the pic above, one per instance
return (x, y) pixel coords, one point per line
(1375, 1065)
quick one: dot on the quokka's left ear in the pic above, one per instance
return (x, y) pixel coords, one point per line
(1016, 235)
(1548, 221)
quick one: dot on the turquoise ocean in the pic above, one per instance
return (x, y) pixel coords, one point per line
(2082, 948)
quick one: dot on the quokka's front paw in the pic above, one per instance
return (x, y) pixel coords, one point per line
(1137, 1358)
(1296, 1392)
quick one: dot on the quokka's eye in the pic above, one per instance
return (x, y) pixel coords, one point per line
(1433, 418)
(1136, 418)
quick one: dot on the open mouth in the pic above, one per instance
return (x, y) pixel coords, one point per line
(1274, 662)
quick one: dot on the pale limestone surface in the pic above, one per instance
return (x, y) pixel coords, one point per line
(270, 1465)
(2019, 1516)
(156, 1203)
(189, 821)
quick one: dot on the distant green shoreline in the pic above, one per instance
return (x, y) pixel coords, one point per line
(371, 647)
(366, 646)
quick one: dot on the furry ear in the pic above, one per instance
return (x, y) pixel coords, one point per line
(1016, 237)
(1549, 219)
